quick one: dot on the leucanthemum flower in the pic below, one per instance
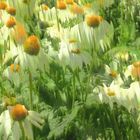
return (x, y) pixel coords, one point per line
(32, 45)
(24, 9)
(87, 36)
(11, 22)
(122, 56)
(112, 72)
(19, 34)
(8, 22)
(50, 17)
(14, 68)
(44, 7)
(15, 74)
(133, 70)
(93, 20)
(3, 5)
(77, 9)
(32, 63)
(74, 57)
(61, 4)
(134, 94)
(69, 1)
(27, 62)
(16, 118)
(11, 10)
(115, 94)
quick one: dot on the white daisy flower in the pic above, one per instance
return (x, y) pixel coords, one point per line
(16, 123)
(74, 57)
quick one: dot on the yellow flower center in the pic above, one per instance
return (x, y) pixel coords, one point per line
(75, 51)
(136, 64)
(93, 20)
(76, 9)
(11, 22)
(113, 74)
(14, 68)
(32, 45)
(19, 34)
(72, 41)
(18, 112)
(11, 10)
(45, 7)
(110, 92)
(136, 70)
(3, 5)
(61, 4)
(69, 1)
(87, 6)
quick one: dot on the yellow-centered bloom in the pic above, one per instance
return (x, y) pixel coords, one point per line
(113, 74)
(11, 10)
(136, 70)
(110, 92)
(3, 5)
(61, 4)
(75, 51)
(18, 112)
(72, 40)
(69, 1)
(11, 22)
(93, 20)
(76, 9)
(19, 34)
(45, 7)
(32, 45)
(14, 68)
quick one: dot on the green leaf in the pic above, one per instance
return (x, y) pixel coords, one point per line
(58, 128)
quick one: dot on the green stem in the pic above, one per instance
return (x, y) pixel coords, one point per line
(116, 128)
(113, 120)
(29, 11)
(31, 89)
(58, 26)
(74, 89)
(13, 3)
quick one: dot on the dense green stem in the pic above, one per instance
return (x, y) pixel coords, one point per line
(31, 88)
(116, 128)
(58, 26)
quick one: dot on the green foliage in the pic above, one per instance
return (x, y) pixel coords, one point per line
(72, 100)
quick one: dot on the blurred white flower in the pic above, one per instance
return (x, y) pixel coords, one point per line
(134, 95)
(17, 120)
(15, 74)
(26, 61)
(24, 8)
(114, 93)
(50, 15)
(133, 71)
(74, 57)
(112, 72)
